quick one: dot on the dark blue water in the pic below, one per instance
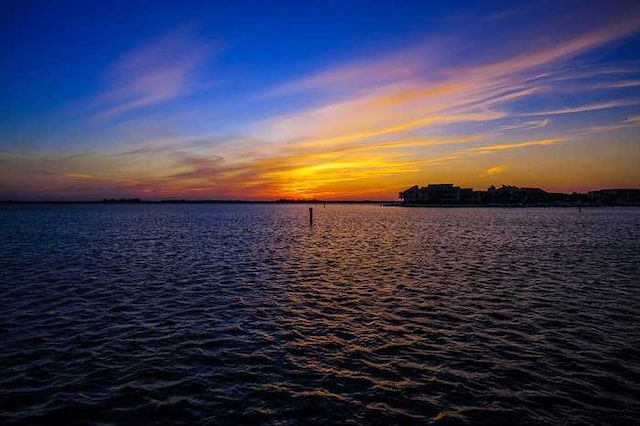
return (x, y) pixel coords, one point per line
(243, 314)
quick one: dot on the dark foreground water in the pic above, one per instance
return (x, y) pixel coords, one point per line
(376, 315)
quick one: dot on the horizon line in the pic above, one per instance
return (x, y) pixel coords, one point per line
(114, 200)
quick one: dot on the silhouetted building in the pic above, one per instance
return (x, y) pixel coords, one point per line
(412, 195)
(442, 193)
(513, 195)
(510, 195)
(615, 197)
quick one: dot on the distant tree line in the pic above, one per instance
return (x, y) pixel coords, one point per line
(122, 200)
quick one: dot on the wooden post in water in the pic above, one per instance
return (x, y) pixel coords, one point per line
(310, 216)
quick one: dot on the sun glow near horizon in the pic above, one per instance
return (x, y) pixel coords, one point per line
(195, 111)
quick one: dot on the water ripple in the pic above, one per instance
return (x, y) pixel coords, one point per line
(227, 314)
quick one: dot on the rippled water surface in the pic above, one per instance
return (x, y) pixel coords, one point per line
(209, 314)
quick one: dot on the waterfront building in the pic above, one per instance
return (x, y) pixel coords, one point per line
(441, 193)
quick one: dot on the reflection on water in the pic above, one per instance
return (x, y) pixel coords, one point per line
(245, 314)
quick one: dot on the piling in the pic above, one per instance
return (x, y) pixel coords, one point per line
(310, 216)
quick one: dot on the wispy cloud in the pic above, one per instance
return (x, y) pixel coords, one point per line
(567, 49)
(584, 108)
(402, 104)
(620, 84)
(625, 83)
(156, 72)
(525, 125)
(357, 74)
(627, 123)
(396, 119)
(488, 150)
(198, 166)
(508, 146)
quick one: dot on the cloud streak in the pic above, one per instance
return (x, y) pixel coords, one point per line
(583, 108)
(399, 119)
(357, 74)
(154, 73)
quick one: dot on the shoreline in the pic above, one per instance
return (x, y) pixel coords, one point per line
(379, 203)
(511, 206)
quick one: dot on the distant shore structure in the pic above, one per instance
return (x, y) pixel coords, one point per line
(509, 195)
(440, 194)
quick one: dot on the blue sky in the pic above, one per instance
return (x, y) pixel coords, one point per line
(335, 100)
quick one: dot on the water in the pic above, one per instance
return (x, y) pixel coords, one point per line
(243, 314)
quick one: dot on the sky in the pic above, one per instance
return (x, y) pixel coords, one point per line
(331, 100)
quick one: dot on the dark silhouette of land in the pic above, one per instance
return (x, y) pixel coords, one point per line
(187, 201)
(432, 195)
(448, 194)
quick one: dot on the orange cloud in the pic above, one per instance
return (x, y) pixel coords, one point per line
(495, 170)
(507, 146)
(396, 126)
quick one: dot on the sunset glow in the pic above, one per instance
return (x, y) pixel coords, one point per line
(294, 102)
